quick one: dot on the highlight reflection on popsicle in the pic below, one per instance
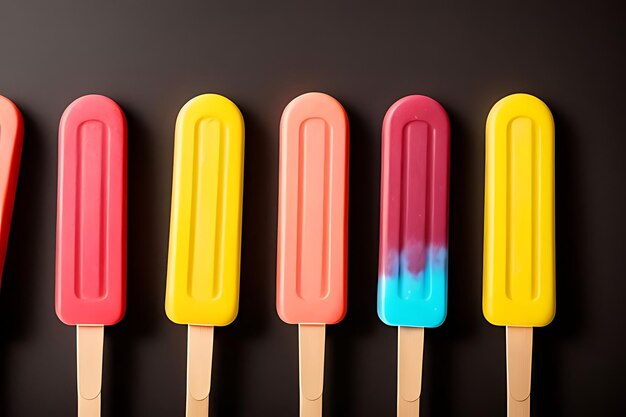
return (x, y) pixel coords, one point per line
(11, 139)
(312, 231)
(91, 233)
(519, 276)
(205, 232)
(412, 286)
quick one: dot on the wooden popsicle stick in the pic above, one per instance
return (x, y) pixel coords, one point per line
(518, 408)
(89, 348)
(310, 408)
(199, 363)
(89, 408)
(408, 408)
(410, 357)
(312, 341)
(519, 356)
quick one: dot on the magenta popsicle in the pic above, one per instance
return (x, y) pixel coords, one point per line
(413, 282)
(414, 214)
(91, 217)
(91, 233)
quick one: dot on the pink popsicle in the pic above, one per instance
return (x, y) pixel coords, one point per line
(91, 234)
(91, 213)
(312, 218)
(311, 277)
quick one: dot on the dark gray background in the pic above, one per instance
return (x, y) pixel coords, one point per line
(152, 56)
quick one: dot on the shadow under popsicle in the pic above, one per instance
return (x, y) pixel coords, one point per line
(342, 372)
(146, 266)
(23, 266)
(258, 262)
(573, 268)
(464, 269)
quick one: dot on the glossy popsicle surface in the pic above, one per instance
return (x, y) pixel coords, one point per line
(312, 214)
(91, 213)
(11, 139)
(519, 276)
(412, 285)
(205, 226)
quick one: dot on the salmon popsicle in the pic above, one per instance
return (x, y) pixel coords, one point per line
(413, 282)
(11, 139)
(518, 272)
(311, 288)
(91, 233)
(205, 232)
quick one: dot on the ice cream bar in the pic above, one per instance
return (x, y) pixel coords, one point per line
(205, 232)
(413, 282)
(205, 227)
(91, 233)
(413, 260)
(11, 138)
(518, 271)
(91, 213)
(312, 231)
(519, 275)
(313, 209)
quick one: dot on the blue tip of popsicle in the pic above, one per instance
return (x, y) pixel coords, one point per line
(415, 299)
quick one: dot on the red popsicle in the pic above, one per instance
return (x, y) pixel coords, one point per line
(91, 232)
(11, 138)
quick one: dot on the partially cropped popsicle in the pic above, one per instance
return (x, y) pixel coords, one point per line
(205, 232)
(312, 231)
(413, 282)
(519, 274)
(11, 139)
(91, 233)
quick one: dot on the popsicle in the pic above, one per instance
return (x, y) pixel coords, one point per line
(205, 232)
(312, 231)
(413, 282)
(11, 139)
(518, 272)
(91, 233)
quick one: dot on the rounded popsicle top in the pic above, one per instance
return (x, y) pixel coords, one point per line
(519, 269)
(413, 248)
(10, 118)
(314, 105)
(205, 226)
(209, 106)
(93, 107)
(415, 108)
(520, 105)
(91, 213)
(11, 139)
(312, 214)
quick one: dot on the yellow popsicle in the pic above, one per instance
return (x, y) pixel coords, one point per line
(205, 227)
(519, 274)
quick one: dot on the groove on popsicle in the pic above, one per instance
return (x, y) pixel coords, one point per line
(522, 210)
(207, 206)
(92, 168)
(314, 200)
(415, 210)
